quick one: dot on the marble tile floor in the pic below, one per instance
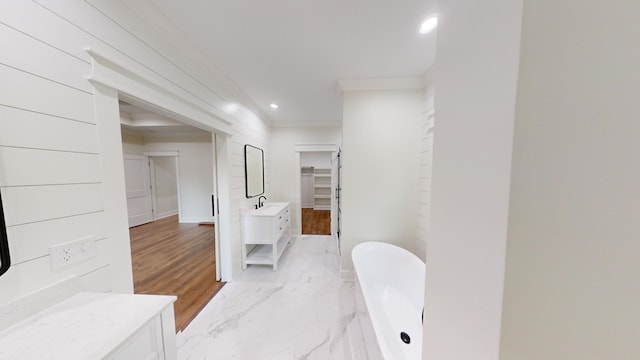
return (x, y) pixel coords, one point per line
(301, 312)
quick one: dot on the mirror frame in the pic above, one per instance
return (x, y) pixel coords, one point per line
(253, 167)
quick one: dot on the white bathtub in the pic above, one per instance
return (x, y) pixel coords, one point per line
(389, 300)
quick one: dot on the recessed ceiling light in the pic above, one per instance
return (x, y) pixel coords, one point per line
(274, 106)
(428, 25)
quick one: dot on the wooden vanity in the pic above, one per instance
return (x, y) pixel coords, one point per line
(265, 234)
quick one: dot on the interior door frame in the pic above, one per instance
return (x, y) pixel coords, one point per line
(122, 79)
(154, 198)
(330, 148)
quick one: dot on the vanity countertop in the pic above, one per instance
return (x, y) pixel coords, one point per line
(268, 209)
(84, 326)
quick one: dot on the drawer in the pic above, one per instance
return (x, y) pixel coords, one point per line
(281, 223)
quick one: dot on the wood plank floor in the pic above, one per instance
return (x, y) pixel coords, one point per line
(316, 222)
(170, 258)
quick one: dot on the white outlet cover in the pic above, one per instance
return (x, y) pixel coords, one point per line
(72, 252)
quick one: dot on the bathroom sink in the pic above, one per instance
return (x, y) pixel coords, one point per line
(269, 209)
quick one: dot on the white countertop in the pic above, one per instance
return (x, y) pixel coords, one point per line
(268, 209)
(84, 326)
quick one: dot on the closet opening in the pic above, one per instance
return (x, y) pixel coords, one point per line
(318, 189)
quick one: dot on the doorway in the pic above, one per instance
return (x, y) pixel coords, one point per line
(169, 177)
(316, 190)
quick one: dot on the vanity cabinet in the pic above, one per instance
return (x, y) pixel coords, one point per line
(265, 234)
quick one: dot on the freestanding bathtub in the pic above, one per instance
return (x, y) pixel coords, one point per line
(389, 300)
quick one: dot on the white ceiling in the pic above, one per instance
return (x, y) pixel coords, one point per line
(293, 52)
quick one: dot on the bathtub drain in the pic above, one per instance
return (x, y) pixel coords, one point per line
(405, 337)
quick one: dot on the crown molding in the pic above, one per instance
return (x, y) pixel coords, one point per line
(307, 124)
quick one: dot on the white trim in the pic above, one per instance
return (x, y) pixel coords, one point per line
(162, 153)
(298, 192)
(198, 220)
(111, 82)
(177, 161)
(333, 149)
(144, 89)
(214, 186)
(316, 148)
(165, 215)
(347, 275)
(116, 222)
(152, 182)
(395, 83)
(306, 124)
(223, 183)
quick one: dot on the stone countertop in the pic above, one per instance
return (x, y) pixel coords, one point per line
(269, 209)
(84, 326)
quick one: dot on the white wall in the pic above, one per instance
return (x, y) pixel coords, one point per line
(572, 288)
(132, 144)
(56, 138)
(195, 173)
(475, 79)
(320, 160)
(165, 185)
(284, 165)
(426, 165)
(380, 168)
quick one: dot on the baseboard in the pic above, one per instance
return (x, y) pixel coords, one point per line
(197, 220)
(165, 215)
(347, 275)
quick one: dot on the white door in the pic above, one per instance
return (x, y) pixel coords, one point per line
(138, 187)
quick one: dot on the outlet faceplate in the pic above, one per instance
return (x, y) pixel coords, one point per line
(72, 252)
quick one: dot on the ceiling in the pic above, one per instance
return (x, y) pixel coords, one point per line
(294, 52)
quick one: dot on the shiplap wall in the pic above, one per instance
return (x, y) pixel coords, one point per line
(50, 175)
(426, 155)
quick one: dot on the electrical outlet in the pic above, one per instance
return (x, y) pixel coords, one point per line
(72, 252)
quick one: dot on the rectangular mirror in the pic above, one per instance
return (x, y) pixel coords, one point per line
(253, 171)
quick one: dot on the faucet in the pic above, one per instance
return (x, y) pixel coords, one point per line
(261, 203)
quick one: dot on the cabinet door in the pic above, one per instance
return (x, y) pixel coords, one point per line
(258, 229)
(143, 345)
